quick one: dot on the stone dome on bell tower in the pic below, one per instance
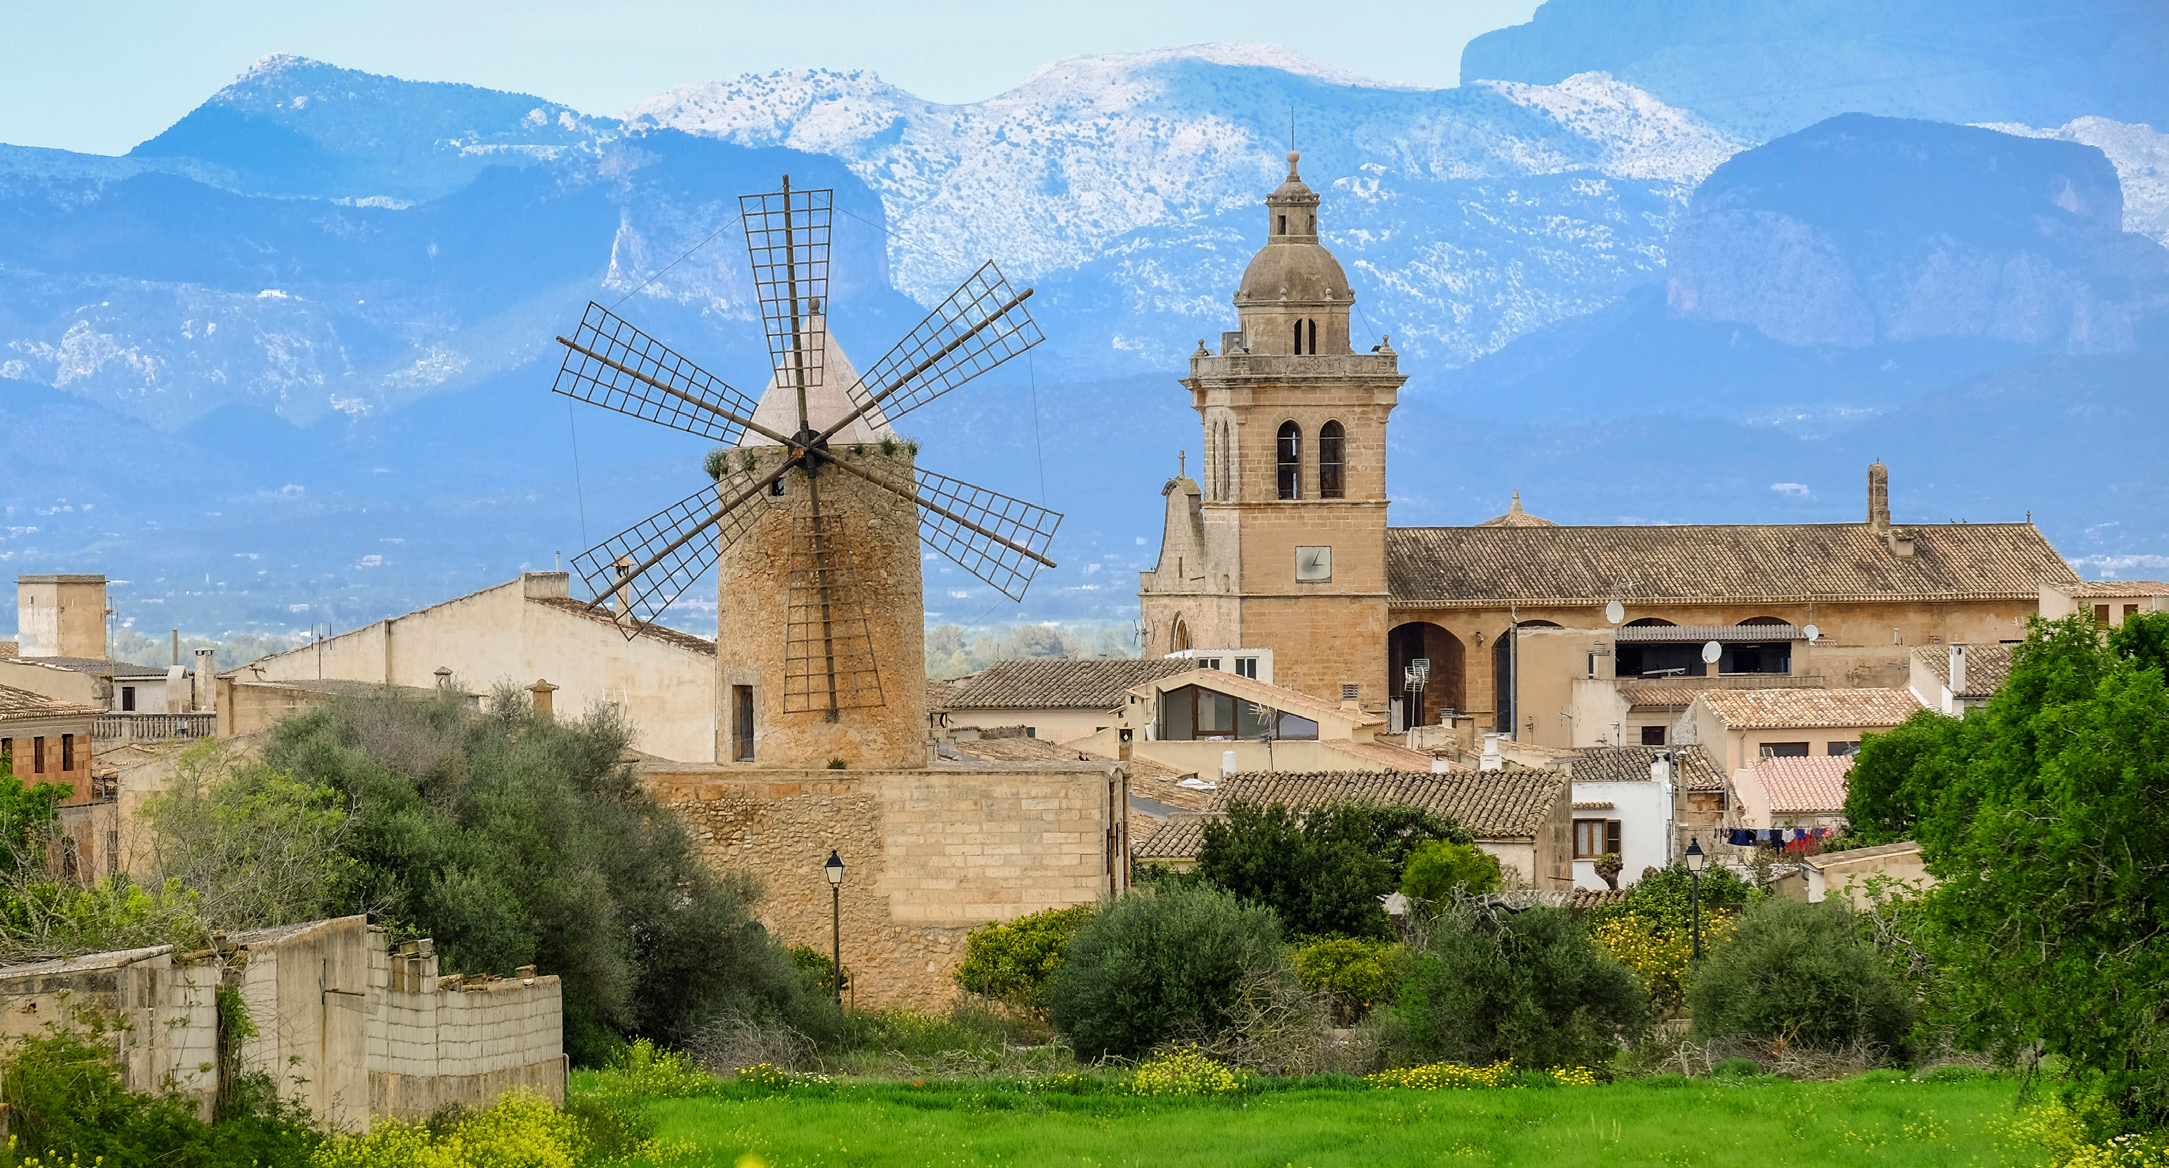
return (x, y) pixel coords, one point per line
(1294, 298)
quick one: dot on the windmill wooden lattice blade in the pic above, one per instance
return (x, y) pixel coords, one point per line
(787, 236)
(828, 650)
(979, 326)
(1026, 525)
(677, 540)
(612, 364)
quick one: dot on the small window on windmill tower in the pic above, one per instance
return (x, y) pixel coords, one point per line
(775, 489)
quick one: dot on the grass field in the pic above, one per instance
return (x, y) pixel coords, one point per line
(1882, 1118)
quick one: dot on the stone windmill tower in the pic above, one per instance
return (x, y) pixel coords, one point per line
(814, 504)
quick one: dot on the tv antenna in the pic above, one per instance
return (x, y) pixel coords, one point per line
(828, 655)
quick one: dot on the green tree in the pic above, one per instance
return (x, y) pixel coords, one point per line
(1325, 872)
(516, 840)
(1897, 776)
(1529, 986)
(1437, 868)
(256, 846)
(1804, 973)
(1148, 968)
(2042, 822)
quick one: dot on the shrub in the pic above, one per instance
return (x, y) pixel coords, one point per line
(1529, 986)
(1322, 873)
(517, 840)
(1356, 974)
(1445, 1077)
(519, 1131)
(1011, 961)
(65, 1101)
(819, 969)
(1800, 972)
(1437, 869)
(1658, 954)
(644, 1071)
(1149, 968)
(1184, 1070)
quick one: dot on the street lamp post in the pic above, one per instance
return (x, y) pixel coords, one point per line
(1695, 860)
(834, 871)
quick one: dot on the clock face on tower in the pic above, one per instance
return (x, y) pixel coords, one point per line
(1313, 565)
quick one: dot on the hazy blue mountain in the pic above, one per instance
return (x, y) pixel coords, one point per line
(1759, 69)
(289, 360)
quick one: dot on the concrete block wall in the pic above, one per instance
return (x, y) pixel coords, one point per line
(928, 855)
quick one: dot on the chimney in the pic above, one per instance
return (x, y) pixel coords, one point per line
(206, 679)
(177, 696)
(1878, 497)
(443, 674)
(1227, 764)
(1491, 760)
(543, 703)
(1958, 669)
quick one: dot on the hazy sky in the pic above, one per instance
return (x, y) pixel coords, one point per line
(99, 76)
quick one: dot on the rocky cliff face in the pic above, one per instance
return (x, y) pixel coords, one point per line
(1862, 230)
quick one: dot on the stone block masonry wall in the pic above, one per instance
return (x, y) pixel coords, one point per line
(342, 1027)
(928, 854)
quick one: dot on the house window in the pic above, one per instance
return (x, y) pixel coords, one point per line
(128, 699)
(1195, 714)
(1784, 750)
(2101, 615)
(1208, 663)
(1653, 736)
(742, 723)
(1331, 440)
(37, 756)
(67, 752)
(1246, 667)
(1291, 461)
(1841, 749)
(1595, 837)
(2130, 611)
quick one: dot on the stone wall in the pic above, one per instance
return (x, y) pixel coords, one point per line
(928, 854)
(342, 1027)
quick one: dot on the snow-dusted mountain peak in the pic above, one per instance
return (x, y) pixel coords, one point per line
(1108, 67)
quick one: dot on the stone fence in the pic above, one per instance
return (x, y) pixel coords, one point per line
(342, 1025)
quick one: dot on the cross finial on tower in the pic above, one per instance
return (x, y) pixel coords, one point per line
(1182, 463)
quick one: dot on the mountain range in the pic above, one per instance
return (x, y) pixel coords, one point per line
(288, 361)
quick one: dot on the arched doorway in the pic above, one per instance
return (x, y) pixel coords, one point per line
(1178, 637)
(1422, 639)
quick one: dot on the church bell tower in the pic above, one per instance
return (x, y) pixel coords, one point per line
(1282, 545)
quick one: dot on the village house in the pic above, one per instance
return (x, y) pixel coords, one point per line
(1057, 699)
(2111, 601)
(1954, 679)
(1793, 792)
(60, 651)
(45, 740)
(1643, 805)
(1897, 867)
(521, 633)
(1739, 726)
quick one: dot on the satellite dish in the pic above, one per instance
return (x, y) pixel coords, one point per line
(1711, 651)
(1811, 632)
(1615, 612)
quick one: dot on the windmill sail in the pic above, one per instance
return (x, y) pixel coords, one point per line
(979, 326)
(1020, 532)
(643, 569)
(787, 238)
(611, 364)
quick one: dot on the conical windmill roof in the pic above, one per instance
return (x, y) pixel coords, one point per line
(827, 401)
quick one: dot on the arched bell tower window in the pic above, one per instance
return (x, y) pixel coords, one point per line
(1330, 442)
(1224, 472)
(1284, 225)
(1306, 337)
(1291, 461)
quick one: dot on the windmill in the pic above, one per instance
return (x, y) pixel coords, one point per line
(821, 437)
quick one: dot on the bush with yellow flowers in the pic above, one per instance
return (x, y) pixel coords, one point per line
(1185, 1070)
(1446, 1077)
(1658, 954)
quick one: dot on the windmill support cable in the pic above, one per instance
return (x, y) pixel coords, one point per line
(713, 519)
(689, 399)
(891, 389)
(936, 508)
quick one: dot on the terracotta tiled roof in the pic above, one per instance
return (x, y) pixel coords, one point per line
(1516, 517)
(1471, 567)
(21, 703)
(939, 693)
(98, 666)
(2113, 589)
(1810, 785)
(1388, 756)
(1653, 695)
(1626, 764)
(1987, 667)
(1773, 709)
(1061, 683)
(1512, 803)
(1509, 803)
(665, 634)
(1287, 701)
(1581, 900)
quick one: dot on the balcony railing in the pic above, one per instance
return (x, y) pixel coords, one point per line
(154, 727)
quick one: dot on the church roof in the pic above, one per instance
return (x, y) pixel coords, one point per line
(1293, 267)
(1516, 517)
(1486, 566)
